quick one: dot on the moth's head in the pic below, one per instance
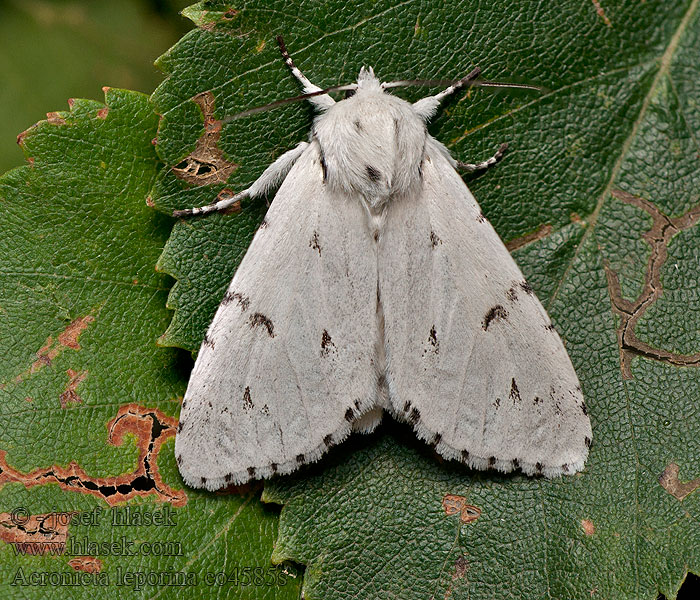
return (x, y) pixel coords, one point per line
(367, 80)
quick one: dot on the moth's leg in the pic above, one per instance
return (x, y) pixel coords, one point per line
(322, 101)
(489, 162)
(271, 178)
(427, 107)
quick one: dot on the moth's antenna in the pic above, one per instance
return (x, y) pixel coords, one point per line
(276, 103)
(471, 83)
(311, 90)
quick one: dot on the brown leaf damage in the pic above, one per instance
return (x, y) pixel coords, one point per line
(453, 504)
(70, 395)
(541, 232)
(587, 526)
(601, 13)
(36, 534)
(673, 485)
(461, 567)
(662, 230)
(51, 349)
(89, 564)
(151, 427)
(206, 164)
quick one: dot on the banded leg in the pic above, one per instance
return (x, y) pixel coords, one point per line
(427, 107)
(489, 162)
(270, 178)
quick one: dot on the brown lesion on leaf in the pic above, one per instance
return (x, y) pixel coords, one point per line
(601, 13)
(234, 208)
(150, 427)
(53, 348)
(587, 526)
(673, 485)
(541, 232)
(103, 112)
(89, 564)
(36, 534)
(453, 504)
(630, 311)
(55, 118)
(461, 567)
(70, 395)
(206, 164)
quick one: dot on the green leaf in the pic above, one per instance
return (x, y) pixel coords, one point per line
(89, 402)
(606, 155)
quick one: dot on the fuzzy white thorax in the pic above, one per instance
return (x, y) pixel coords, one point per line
(372, 144)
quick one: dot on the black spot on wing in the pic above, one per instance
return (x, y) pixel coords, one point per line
(372, 173)
(538, 468)
(327, 345)
(414, 416)
(433, 341)
(313, 243)
(465, 456)
(264, 224)
(247, 400)
(397, 131)
(328, 440)
(274, 467)
(495, 312)
(515, 462)
(300, 459)
(357, 124)
(514, 392)
(350, 415)
(512, 294)
(251, 471)
(492, 462)
(436, 439)
(584, 408)
(260, 320)
(228, 477)
(481, 218)
(324, 168)
(243, 301)
(434, 239)
(527, 288)
(208, 342)
(587, 441)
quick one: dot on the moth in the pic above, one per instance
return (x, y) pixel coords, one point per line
(375, 283)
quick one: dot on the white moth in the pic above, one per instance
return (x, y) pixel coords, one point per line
(375, 284)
